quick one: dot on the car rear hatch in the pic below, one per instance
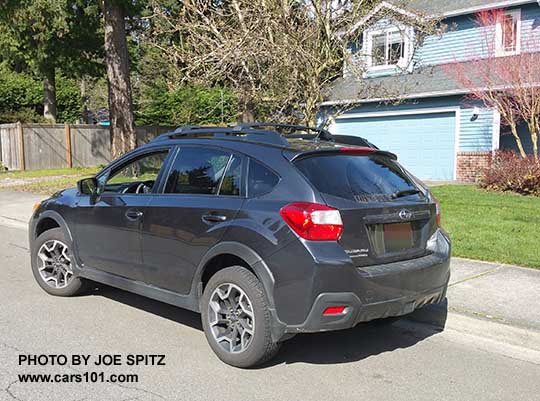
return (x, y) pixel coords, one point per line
(386, 216)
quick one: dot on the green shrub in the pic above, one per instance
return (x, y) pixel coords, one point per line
(68, 99)
(21, 98)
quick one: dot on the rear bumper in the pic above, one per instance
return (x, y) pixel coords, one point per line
(374, 292)
(357, 312)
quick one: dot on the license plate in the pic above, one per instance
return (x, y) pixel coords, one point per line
(398, 237)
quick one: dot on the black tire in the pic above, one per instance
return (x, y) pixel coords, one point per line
(75, 284)
(261, 348)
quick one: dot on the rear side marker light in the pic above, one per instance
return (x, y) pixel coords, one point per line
(335, 310)
(313, 221)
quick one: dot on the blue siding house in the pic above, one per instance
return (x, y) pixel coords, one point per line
(437, 135)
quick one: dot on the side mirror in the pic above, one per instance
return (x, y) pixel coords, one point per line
(88, 186)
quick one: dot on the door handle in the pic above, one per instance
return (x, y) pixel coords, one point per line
(134, 215)
(214, 218)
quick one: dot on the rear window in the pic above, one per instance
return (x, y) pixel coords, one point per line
(359, 178)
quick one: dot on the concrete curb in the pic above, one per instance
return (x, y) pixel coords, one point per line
(491, 336)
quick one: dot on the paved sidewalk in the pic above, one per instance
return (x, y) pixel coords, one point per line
(504, 293)
(496, 292)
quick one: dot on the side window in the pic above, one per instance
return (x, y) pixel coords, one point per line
(260, 179)
(232, 182)
(138, 176)
(197, 171)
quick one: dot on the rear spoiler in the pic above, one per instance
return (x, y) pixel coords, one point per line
(360, 151)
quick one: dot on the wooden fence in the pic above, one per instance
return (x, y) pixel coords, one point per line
(45, 146)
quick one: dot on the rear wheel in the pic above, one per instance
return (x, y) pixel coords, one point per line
(52, 265)
(236, 319)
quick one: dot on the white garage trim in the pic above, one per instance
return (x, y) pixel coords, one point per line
(496, 131)
(412, 112)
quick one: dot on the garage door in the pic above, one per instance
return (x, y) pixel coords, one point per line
(424, 143)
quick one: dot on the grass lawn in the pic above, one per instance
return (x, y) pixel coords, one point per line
(491, 226)
(45, 182)
(49, 173)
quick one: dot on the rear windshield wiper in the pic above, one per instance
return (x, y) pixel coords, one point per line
(406, 192)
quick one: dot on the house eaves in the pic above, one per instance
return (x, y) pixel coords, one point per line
(383, 5)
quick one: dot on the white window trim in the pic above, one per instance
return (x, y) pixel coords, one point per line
(499, 45)
(403, 63)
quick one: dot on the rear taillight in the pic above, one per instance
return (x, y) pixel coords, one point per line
(313, 221)
(438, 211)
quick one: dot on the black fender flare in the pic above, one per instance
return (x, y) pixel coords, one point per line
(259, 267)
(51, 214)
(252, 258)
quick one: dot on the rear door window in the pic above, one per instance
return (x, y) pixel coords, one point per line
(197, 171)
(232, 181)
(370, 178)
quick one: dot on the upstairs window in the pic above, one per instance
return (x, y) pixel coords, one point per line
(386, 48)
(508, 31)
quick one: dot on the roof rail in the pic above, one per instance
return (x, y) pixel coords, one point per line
(188, 129)
(321, 132)
(254, 132)
(263, 136)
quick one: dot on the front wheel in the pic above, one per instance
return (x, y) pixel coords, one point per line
(52, 265)
(236, 318)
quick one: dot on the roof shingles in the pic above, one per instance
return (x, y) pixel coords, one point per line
(439, 7)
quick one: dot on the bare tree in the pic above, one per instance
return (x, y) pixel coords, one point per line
(279, 56)
(504, 78)
(118, 74)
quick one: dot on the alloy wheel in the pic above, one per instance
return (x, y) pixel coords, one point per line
(55, 264)
(231, 318)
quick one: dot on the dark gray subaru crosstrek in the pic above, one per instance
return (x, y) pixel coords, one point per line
(267, 235)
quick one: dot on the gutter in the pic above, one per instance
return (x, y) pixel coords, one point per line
(409, 96)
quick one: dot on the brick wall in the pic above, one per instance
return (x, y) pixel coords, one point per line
(470, 165)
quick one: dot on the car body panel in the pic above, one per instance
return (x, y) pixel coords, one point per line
(175, 236)
(106, 238)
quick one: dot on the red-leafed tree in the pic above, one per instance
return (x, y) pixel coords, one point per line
(504, 73)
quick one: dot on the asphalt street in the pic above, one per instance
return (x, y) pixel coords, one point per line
(405, 361)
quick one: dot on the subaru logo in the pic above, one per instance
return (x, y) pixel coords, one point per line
(405, 214)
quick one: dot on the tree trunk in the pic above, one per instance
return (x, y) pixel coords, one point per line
(117, 59)
(515, 133)
(84, 100)
(49, 95)
(534, 137)
(246, 108)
